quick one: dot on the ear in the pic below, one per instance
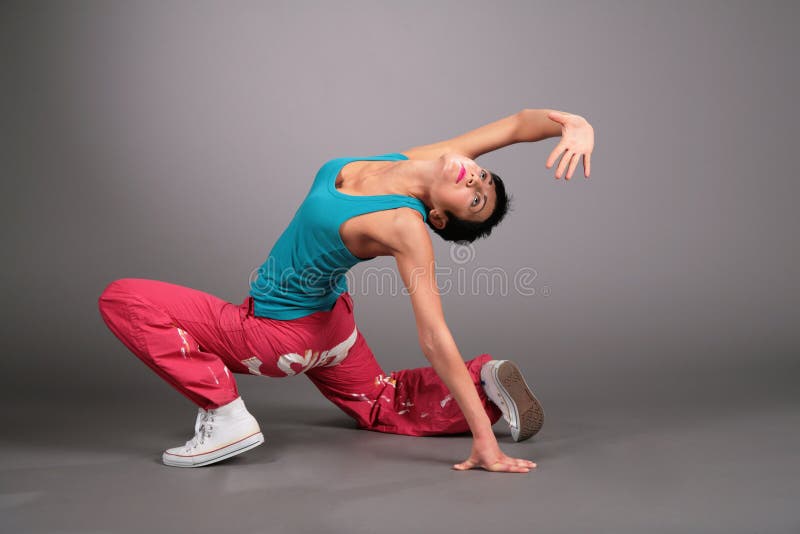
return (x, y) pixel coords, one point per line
(437, 219)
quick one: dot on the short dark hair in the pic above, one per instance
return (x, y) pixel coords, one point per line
(463, 232)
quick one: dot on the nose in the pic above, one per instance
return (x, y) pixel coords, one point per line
(474, 176)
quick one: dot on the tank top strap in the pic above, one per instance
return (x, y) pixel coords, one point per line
(360, 204)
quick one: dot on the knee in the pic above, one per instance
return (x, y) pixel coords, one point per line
(114, 292)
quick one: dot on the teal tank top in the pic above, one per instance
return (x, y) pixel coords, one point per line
(305, 270)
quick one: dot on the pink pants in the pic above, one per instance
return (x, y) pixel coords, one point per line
(195, 341)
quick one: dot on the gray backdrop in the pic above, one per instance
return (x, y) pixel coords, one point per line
(174, 140)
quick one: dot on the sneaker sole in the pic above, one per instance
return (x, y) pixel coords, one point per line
(199, 460)
(525, 407)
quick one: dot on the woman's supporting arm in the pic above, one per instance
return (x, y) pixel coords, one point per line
(413, 252)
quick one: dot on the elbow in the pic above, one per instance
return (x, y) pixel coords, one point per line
(521, 118)
(427, 342)
(431, 339)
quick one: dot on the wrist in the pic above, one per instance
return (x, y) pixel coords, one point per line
(535, 125)
(484, 436)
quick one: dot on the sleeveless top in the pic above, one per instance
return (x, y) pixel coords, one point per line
(305, 270)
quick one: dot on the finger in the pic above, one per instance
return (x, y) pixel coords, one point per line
(518, 466)
(574, 157)
(557, 116)
(509, 468)
(522, 461)
(510, 463)
(551, 159)
(563, 163)
(572, 165)
(463, 466)
(587, 164)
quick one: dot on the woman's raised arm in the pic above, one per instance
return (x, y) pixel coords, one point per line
(472, 144)
(523, 126)
(528, 125)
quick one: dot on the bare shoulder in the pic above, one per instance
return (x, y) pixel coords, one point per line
(397, 229)
(432, 151)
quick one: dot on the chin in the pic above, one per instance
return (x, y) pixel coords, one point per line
(451, 165)
(461, 158)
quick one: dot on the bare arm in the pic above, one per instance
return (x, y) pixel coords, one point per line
(523, 126)
(415, 262)
(535, 125)
(528, 125)
(413, 252)
(472, 144)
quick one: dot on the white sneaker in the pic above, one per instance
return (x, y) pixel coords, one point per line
(504, 385)
(218, 434)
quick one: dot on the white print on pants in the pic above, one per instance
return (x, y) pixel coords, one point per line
(310, 359)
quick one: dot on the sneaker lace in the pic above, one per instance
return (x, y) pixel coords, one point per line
(203, 428)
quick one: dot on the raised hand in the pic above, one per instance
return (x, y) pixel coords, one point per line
(577, 139)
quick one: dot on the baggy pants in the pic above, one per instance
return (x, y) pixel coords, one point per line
(196, 342)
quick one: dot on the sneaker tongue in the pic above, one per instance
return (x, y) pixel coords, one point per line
(199, 421)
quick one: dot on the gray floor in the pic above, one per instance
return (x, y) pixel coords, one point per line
(722, 464)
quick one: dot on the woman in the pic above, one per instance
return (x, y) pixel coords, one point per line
(298, 317)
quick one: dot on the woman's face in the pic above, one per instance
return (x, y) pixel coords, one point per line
(465, 189)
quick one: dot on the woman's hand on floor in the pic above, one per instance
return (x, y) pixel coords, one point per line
(488, 456)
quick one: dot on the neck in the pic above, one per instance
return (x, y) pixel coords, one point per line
(413, 178)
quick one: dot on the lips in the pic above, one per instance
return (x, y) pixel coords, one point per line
(461, 173)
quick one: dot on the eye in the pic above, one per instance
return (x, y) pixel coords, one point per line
(475, 200)
(483, 175)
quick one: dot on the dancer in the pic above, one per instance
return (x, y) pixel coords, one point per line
(298, 315)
